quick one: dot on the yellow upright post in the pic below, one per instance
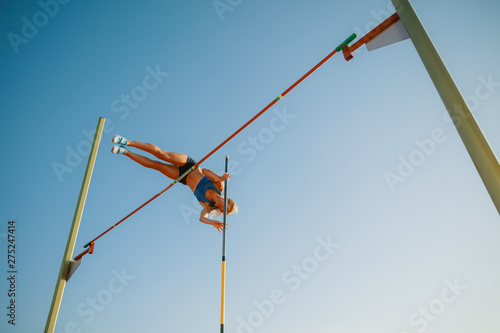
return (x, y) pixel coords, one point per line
(479, 150)
(70, 244)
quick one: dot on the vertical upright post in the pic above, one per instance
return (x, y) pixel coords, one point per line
(479, 150)
(73, 232)
(223, 287)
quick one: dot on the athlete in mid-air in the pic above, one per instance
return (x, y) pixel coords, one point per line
(205, 184)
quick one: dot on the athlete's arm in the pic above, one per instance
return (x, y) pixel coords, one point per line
(204, 219)
(216, 179)
(212, 176)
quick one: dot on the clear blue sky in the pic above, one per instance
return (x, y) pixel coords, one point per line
(323, 242)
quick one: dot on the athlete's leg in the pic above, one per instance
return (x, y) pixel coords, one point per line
(177, 159)
(167, 169)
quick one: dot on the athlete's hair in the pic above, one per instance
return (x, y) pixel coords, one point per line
(232, 208)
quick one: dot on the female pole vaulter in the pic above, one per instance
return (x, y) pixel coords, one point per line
(205, 184)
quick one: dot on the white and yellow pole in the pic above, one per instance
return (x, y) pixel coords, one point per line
(478, 148)
(70, 244)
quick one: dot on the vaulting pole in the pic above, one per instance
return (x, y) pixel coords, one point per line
(223, 287)
(479, 150)
(73, 232)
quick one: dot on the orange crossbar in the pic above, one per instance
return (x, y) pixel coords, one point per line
(88, 250)
(331, 54)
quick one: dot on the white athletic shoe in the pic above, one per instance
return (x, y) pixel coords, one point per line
(119, 140)
(118, 150)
